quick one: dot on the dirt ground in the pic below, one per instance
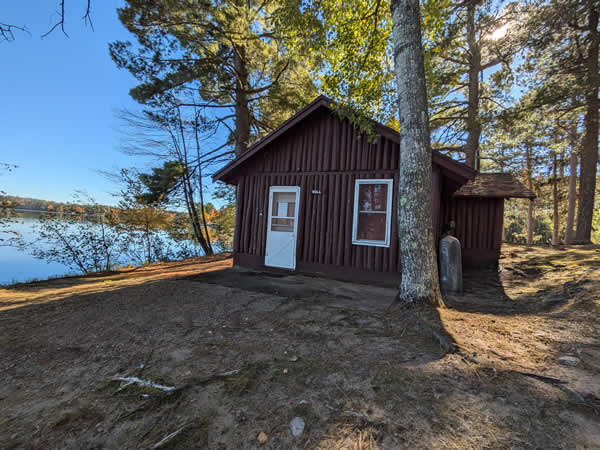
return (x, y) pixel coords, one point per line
(361, 372)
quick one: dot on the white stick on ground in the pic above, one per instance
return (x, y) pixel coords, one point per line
(168, 438)
(135, 380)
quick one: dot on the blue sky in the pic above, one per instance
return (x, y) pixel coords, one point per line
(59, 97)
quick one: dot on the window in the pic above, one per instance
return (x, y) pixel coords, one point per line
(283, 211)
(372, 212)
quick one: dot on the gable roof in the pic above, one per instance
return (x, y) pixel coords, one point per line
(494, 185)
(322, 101)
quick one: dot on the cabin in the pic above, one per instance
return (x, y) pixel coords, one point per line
(315, 196)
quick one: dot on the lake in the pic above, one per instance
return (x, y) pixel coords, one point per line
(18, 265)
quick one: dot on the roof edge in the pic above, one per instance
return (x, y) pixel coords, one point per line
(494, 185)
(446, 162)
(320, 101)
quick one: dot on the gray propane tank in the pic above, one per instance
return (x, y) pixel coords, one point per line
(450, 265)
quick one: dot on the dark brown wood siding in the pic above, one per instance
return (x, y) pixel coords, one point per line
(324, 223)
(324, 144)
(478, 227)
(326, 154)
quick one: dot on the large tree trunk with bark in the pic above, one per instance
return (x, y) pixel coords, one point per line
(420, 283)
(530, 186)
(473, 124)
(572, 195)
(589, 155)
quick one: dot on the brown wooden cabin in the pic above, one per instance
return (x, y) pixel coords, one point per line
(316, 197)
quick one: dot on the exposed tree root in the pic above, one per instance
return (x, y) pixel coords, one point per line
(427, 318)
(561, 384)
(543, 378)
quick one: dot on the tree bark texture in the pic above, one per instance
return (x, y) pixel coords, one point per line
(473, 124)
(420, 283)
(572, 195)
(589, 154)
(242, 113)
(530, 206)
(555, 221)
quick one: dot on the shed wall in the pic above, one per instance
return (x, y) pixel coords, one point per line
(326, 154)
(324, 241)
(324, 143)
(478, 227)
(321, 154)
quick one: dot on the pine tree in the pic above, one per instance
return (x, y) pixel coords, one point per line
(563, 56)
(420, 282)
(472, 62)
(244, 62)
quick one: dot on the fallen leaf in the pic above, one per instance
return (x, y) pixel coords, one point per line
(262, 438)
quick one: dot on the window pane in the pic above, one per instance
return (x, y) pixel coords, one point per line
(284, 204)
(286, 225)
(291, 209)
(372, 197)
(371, 227)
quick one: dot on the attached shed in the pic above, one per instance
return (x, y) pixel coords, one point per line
(316, 196)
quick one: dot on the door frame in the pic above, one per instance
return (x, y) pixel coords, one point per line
(272, 190)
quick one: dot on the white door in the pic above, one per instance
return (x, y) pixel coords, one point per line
(282, 226)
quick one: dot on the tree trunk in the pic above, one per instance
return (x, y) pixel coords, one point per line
(555, 221)
(193, 213)
(473, 123)
(242, 114)
(589, 154)
(569, 233)
(188, 191)
(420, 283)
(530, 206)
(201, 187)
(206, 233)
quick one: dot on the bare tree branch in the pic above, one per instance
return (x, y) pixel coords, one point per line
(60, 23)
(7, 31)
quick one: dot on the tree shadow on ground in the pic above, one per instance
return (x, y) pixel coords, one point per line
(484, 292)
(477, 408)
(175, 331)
(376, 302)
(300, 286)
(360, 373)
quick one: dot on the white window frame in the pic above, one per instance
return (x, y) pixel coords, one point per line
(388, 212)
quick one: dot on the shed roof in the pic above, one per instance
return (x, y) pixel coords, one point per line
(462, 170)
(494, 185)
